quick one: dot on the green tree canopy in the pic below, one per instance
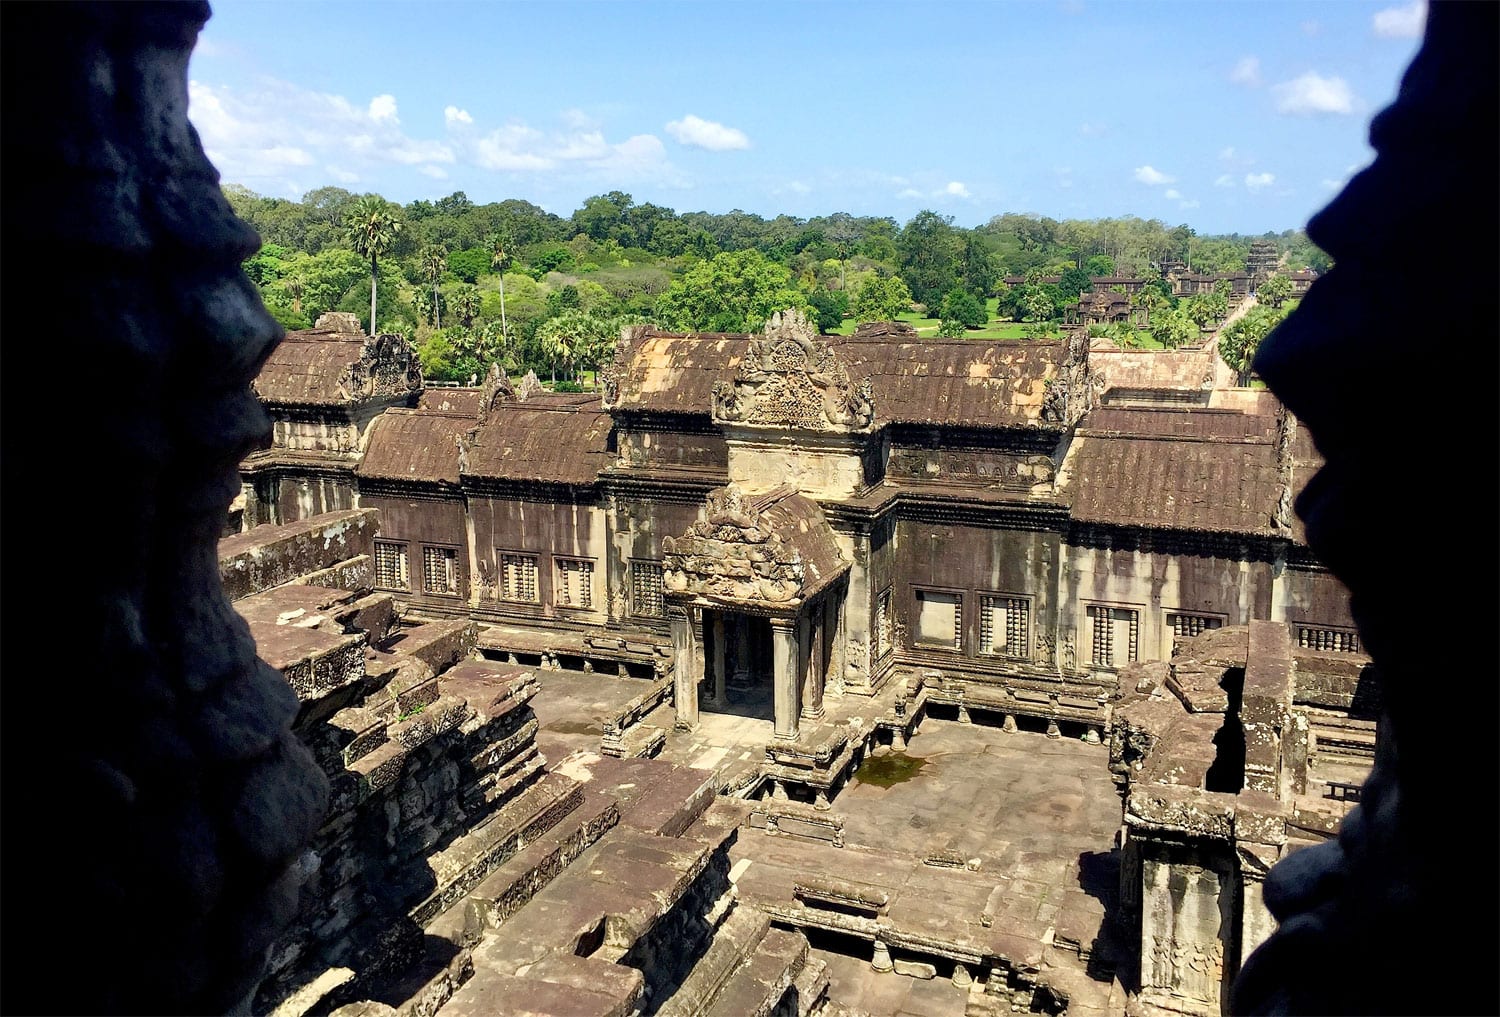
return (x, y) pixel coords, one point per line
(962, 306)
(881, 298)
(371, 226)
(735, 291)
(929, 249)
(1240, 339)
(1274, 291)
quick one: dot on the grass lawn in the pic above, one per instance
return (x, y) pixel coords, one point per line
(927, 327)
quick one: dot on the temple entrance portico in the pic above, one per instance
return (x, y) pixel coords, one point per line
(755, 591)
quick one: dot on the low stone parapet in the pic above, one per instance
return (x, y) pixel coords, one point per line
(269, 556)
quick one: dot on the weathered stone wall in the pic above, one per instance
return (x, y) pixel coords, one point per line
(636, 528)
(546, 529)
(816, 465)
(1311, 596)
(976, 560)
(306, 494)
(662, 448)
(1156, 583)
(272, 555)
(331, 434)
(438, 522)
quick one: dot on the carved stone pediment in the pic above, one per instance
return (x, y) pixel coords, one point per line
(790, 378)
(529, 386)
(769, 550)
(496, 389)
(388, 367)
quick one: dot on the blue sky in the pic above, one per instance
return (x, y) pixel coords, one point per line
(1228, 116)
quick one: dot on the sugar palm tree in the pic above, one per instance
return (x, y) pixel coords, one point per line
(434, 260)
(466, 303)
(371, 226)
(499, 258)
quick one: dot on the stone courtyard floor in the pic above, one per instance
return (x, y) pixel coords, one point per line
(1038, 814)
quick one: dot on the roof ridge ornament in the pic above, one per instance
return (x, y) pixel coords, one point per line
(789, 376)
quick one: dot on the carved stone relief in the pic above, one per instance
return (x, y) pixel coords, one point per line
(789, 377)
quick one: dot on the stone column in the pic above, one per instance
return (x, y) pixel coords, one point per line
(786, 680)
(1256, 921)
(717, 695)
(685, 672)
(812, 675)
(835, 628)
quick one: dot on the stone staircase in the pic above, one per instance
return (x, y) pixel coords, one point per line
(753, 970)
(1339, 738)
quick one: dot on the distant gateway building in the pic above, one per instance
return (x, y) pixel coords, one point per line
(779, 518)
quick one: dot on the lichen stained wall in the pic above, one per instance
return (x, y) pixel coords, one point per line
(546, 530)
(1155, 583)
(973, 561)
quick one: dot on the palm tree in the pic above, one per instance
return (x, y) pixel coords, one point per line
(466, 303)
(434, 260)
(371, 226)
(499, 256)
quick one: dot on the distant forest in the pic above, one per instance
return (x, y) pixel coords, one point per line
(510, 282)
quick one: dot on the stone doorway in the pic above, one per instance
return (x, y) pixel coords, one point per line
(739, 667)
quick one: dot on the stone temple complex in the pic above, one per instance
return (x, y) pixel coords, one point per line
(788, 675)
(712, 604)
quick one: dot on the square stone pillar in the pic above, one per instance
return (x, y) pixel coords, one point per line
(787, 660)
(811, 628)
(1256, 923)
(716, 694)
(685, 671)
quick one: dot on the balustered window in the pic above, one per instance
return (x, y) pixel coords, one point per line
(573, 585)
(391, 571)
(1114, 637)
(646, 599)
(440, 570)
(518, 578)
(1004, 625)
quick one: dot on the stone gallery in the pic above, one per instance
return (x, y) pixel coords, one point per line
(712, 604)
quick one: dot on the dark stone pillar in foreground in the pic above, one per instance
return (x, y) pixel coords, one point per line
(157, 807)
(1396, 379)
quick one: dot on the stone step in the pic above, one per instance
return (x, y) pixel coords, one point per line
(733, 943)
(811, 987)
(757, 988)
(553, 987)
(461, 866)
(525, 874)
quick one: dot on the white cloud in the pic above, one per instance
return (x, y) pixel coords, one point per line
(1092, 130)
(383, 109)
(910, 192)
(1151, 175)
(1312, 94)
(578, 120)
(1405, 22)
(1255, 181)
(1190, 203)
(956, 190)
(1246, 71)
(699, 133)
(255, 137)
(1226, 153)
(1173, 194)
(1224, 180)
(798, 187)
